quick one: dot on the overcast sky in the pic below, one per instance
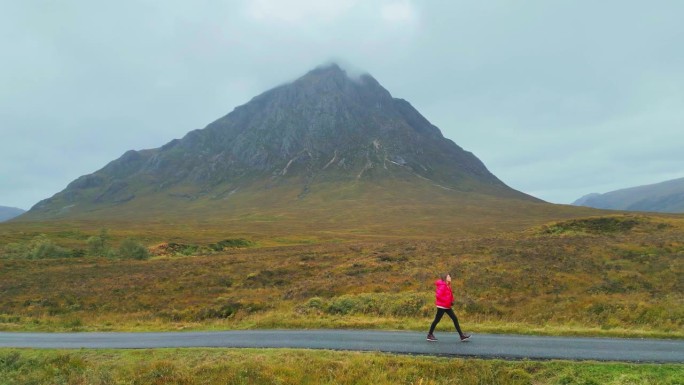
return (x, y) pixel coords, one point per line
(558, 98)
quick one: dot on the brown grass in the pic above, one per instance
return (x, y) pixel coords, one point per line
(563, 278)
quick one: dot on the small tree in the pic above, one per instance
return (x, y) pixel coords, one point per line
(131, 249)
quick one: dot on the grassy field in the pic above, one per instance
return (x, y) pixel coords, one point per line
(527, 268)
(617, 275)
(255, 367)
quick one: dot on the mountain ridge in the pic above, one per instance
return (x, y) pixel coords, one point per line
(7, 213)
(666, 197)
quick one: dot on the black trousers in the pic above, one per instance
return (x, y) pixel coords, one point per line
(438, 317)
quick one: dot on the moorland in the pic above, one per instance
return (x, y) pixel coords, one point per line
(609, 274)
(527, 267)
(605, 275)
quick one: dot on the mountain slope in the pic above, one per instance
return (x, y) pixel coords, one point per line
(7, 213)
(323, 132)
(666, 197)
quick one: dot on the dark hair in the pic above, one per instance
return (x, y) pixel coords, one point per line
(443, 276)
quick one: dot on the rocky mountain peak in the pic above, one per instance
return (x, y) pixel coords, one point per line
(324, 126)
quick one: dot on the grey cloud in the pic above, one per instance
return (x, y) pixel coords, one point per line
(556, 98)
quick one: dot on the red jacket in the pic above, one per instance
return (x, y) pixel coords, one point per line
(444, 295)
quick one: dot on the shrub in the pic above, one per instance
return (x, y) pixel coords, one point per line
(315, 303)
(77, 253)
(131, 249)
(15, 250)
(43, 248)
(230, 243)
(267, 278)
(225, 310)
(97, 244)
(39, 247)
(600, 225)
(351, 304)
(377, 304)
(408, 306)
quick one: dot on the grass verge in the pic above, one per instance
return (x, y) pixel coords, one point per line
(288, 366)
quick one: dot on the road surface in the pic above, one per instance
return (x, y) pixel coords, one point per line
(480, 345)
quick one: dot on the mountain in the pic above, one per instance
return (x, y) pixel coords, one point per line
(665, 197)
(7, 213)
(325, 137)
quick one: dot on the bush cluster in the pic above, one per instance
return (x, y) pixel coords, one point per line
(220, 311)
(192, 249)
(230, 244)
(376, 304)
(599, 225)
(42, 247)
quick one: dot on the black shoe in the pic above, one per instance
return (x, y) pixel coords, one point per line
(431, 338)
(464, 337)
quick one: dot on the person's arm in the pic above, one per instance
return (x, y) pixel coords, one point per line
(451, 293)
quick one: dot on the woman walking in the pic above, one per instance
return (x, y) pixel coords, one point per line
(444, 301)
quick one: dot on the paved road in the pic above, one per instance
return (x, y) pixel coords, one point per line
(481, 345)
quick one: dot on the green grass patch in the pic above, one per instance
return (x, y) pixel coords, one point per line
(290, 366)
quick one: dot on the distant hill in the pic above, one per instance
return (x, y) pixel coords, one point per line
(7, 213)
(665, 197)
